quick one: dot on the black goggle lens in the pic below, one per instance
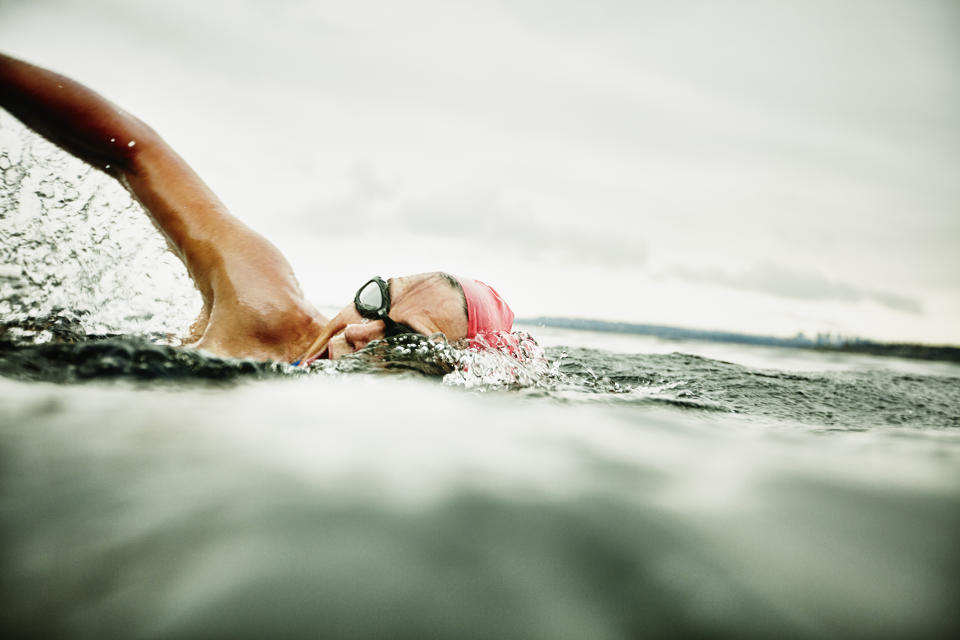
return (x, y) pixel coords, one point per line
(370, 298)
(373, 301)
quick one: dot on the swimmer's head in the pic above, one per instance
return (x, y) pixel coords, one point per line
(425, 303)
(487, 312)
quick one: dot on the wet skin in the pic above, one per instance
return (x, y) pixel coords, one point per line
(253, 306)
(424, 302)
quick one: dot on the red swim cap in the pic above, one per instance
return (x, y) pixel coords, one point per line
(486, 310)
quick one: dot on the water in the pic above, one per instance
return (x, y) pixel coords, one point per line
(165, 494)
(74, 246)
(606, 487)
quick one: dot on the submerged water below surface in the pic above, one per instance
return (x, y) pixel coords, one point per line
(589, 493)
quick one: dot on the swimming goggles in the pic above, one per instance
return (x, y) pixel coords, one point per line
(373, 302)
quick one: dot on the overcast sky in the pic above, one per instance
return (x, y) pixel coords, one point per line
(744, 165)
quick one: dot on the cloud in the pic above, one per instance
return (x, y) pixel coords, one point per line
(365, 201)
(797, 284)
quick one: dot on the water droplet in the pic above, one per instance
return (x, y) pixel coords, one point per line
(13, 174)
(132, 143)
(45, 190)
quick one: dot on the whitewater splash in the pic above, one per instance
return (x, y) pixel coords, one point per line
(75, 246)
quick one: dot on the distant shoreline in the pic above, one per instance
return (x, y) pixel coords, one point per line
(822, 342)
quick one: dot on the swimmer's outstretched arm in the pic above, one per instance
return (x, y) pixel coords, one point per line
(97, 131)
(253, 305)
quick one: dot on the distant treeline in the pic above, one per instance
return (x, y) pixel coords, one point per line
(826, 342)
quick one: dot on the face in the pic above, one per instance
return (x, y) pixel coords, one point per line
(426, 303)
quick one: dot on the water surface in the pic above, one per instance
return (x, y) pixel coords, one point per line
(157, 492)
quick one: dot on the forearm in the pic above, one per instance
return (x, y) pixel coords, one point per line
(71, 115)
(228, 261)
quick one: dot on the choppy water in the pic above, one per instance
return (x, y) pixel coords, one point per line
(167, 494)
(418, 490)
(842, 400)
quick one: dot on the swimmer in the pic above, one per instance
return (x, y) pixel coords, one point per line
(253, 306)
